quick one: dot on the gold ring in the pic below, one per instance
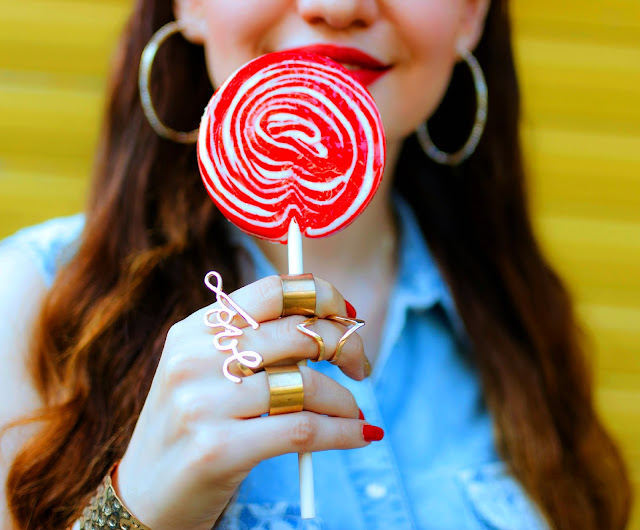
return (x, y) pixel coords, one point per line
(245, 370)
(354, 325)
(298, 295)
(286, 393)
(310, 333)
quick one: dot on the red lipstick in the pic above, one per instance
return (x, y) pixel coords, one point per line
(364, 67)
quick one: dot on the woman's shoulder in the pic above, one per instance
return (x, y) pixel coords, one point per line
(47, 246)
(27, 268)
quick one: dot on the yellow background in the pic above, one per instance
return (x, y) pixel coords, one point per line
(580, 71)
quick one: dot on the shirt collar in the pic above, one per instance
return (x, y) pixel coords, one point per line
(420, 283)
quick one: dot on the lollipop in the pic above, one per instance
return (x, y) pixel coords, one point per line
(292, 144)
(291, 136)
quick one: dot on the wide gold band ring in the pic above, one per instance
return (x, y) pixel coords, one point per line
(286, 393)
(298, 295)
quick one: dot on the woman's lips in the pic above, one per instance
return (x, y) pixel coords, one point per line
(364, 67)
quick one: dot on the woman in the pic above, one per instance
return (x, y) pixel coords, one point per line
(478, 374)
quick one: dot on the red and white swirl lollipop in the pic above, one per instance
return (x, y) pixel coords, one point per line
(291, 136)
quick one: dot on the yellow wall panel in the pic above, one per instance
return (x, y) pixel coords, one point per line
(580, 72)
(579, 64)
(33, 112)
(587, 21)
(584, 85)
(60, 36)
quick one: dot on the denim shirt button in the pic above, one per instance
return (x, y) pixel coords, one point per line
(376, 490)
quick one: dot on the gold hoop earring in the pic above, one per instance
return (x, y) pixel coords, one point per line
(454, 159)
(144, 77)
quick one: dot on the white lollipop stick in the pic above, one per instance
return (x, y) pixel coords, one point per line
(305, 464)
(294, 248)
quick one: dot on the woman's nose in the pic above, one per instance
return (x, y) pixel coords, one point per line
(339, 14)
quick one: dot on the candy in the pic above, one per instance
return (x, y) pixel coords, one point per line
(291, 135)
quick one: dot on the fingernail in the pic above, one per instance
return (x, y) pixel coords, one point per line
(367, 367)
(371, 433)
(351, 312)
(361, 415)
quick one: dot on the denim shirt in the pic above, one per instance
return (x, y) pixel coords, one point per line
(436, 467)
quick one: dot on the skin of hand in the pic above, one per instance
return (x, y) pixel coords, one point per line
(199, 434)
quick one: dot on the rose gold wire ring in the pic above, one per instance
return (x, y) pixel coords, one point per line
(354, 324)
(298, 295)
(286, 391)
(310, 333)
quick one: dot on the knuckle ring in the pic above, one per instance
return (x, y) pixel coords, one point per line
(310, 333)
(286, 392)
(354, 325)
(298, 295)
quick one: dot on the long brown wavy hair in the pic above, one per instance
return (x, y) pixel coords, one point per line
(152, 232)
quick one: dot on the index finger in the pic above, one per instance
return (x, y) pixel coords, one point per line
(262, 301)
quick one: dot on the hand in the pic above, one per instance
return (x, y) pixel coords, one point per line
(199, 434)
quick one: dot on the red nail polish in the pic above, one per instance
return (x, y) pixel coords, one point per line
(371, 433)
(361, 415)
(351, 311)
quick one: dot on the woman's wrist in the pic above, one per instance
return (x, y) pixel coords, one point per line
(106, 509)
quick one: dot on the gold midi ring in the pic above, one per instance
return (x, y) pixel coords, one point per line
(310, 333)
(245, 370)
(298, 295)
(286, 393)
(354, 325)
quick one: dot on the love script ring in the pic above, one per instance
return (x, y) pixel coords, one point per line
(298, 295)
(226, 339)
(286, 392)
